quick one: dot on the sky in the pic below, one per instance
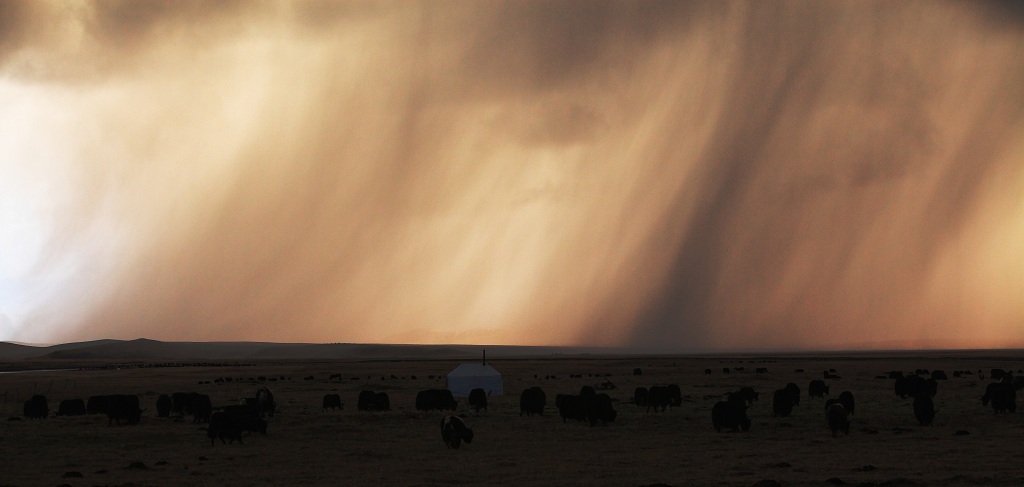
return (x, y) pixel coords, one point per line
(675, 175)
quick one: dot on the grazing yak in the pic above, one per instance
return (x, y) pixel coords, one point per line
(599, 408)
(676, 395)
(924, 409)
(532, 401)
(123, 406)
(1002, 395)
(71, 407)
(477, 400)
(225, 426)
(180, 403)
(731, 415)
(746, 394)
(846, 399)
(266, 403)
(997, 374)
(782, 403)
(914, 386)
(571, 407)
(96, 405)
(198, 405)
(163, 406)
(658, 398)
(436, 399)
(640, 396)
(381, 402)
(454, 431)
(365, 401)
(794, 391)
(838, 419)
(201, 407)
(248, 416)
(817, 388)
(332, 401)
(36, 407)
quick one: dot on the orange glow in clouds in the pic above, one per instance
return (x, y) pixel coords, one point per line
(670, 175)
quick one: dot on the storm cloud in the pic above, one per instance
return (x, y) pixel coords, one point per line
(675, 175)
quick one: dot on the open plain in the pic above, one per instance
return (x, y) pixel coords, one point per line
(967, 444)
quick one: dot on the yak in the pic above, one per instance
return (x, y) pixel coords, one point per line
(201, 407)
(846, 399)
(96, 405)
(163, 406)
(436, 399)
(794, 391)
(365, 401)
(454, 431)
(265, 401)
(782, 403)
(36, 407)
(226, 426)
(730, 414)
(332, 401)
(1002, 395)
(71, 407)
(817, 388)
(250, 418)
(477, 399)
(924, 409)
(640, 396)
(532, 401)
(571, 407)
(381, 402)
(658, 397)
(838, 419)
(599, 408)
(123, 406)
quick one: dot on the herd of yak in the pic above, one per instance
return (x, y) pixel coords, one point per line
(229, 423)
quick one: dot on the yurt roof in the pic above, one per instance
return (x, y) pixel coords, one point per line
(473, 370)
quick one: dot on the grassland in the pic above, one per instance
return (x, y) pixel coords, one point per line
(967, 445)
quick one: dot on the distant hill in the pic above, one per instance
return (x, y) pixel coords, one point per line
(156, 351)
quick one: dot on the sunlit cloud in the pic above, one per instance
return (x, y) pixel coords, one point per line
(683, 175)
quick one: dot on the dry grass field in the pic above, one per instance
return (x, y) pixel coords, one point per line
(967, 445)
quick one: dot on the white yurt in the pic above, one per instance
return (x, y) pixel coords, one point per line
(467, 377)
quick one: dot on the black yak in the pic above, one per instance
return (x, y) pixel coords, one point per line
(163, 406)
(265, 401)
(838, 419)
(846, 399)
(225, 426)
(36, 407)
(782, 403)
(571, 407)
(1002, 395)
(331, 401)
(71, 407)
(477, 399)
(436, 399)
(924, 409)
(454, 431)
(730, 414)
(599, 408)
(640, 395)
(532, 401)
(817, 388)
(123, 406)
